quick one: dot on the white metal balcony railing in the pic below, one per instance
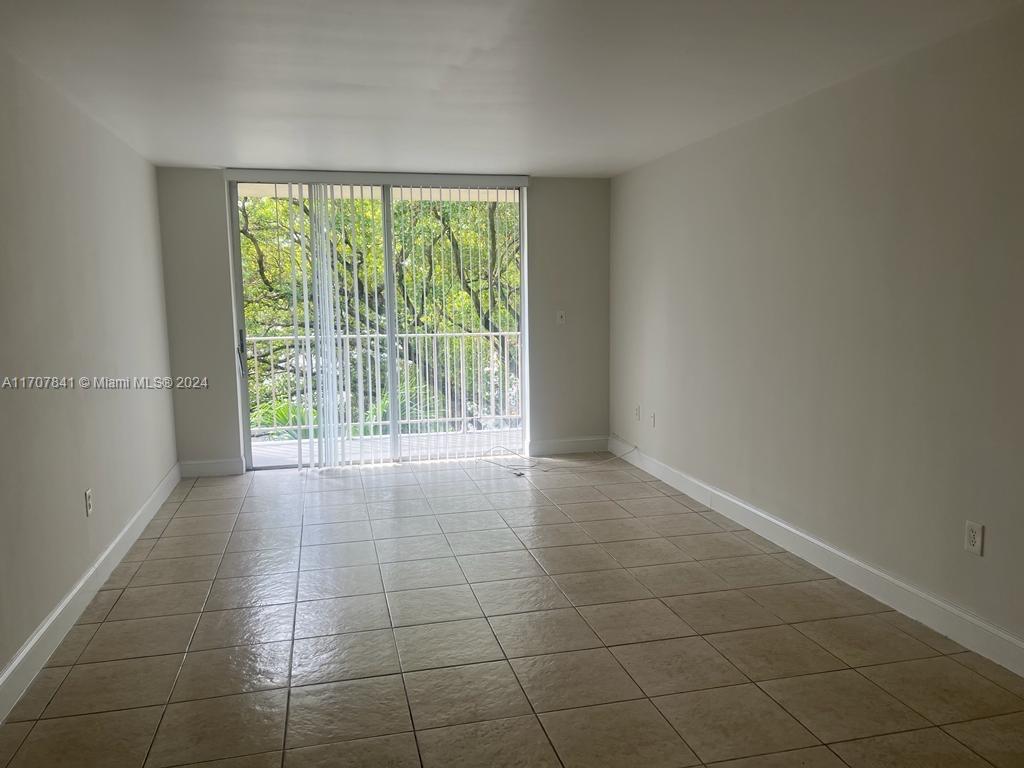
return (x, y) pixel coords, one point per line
(459, 395)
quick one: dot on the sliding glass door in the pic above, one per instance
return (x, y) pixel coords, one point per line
(382, 322)
(457, 320)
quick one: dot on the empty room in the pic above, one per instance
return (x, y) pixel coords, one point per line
(512, 384)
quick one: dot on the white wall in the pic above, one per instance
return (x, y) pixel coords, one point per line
(200, 317)
(824, 308)
(81, 295)
(567, 256)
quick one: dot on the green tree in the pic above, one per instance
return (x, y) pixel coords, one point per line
(457, 271)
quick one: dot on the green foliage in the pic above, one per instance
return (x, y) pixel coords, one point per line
(457, 271)
(277, 419)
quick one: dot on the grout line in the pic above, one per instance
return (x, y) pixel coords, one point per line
(922, 715)
(291, 656)
(837, 755)
(552, 576)
(623, 667)
(514, 613)
(954, 655)
(930, 727)
(458, 558)
(508, 664)
(398, 656)
(181, 666)
(49, 700)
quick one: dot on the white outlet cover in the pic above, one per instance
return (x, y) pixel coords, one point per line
(974, 537)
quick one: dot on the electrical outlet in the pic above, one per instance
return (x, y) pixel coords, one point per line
(652, 419)
(638, 413)
(88, 502)
(974, 537)
(560, 317)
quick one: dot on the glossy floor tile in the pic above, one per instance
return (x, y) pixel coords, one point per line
(511, 743)
(630, 733)
(580, 615)
(475, 692)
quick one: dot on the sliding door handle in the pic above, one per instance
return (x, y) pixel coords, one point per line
(242, 367)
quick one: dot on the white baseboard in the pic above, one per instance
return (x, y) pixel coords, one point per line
(33, 654)
(958, 623)
(215, 468)
(584, 444)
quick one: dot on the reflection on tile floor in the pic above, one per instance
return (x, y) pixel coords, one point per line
(456, 614)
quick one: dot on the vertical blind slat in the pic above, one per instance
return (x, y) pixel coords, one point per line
(403, 314)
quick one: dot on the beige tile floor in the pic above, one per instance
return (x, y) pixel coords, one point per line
(458, 615)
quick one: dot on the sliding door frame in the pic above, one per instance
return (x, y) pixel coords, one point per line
(375, 179)
(239, 336)
(386, 181)
(391, 318)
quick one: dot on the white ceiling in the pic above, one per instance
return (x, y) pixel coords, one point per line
(573, 87)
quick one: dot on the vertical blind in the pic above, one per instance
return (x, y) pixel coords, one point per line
(405, 309)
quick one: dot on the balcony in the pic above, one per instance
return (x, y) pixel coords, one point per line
(459, 395)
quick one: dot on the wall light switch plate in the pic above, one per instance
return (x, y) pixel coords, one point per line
(974, 537)
(560, 317)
